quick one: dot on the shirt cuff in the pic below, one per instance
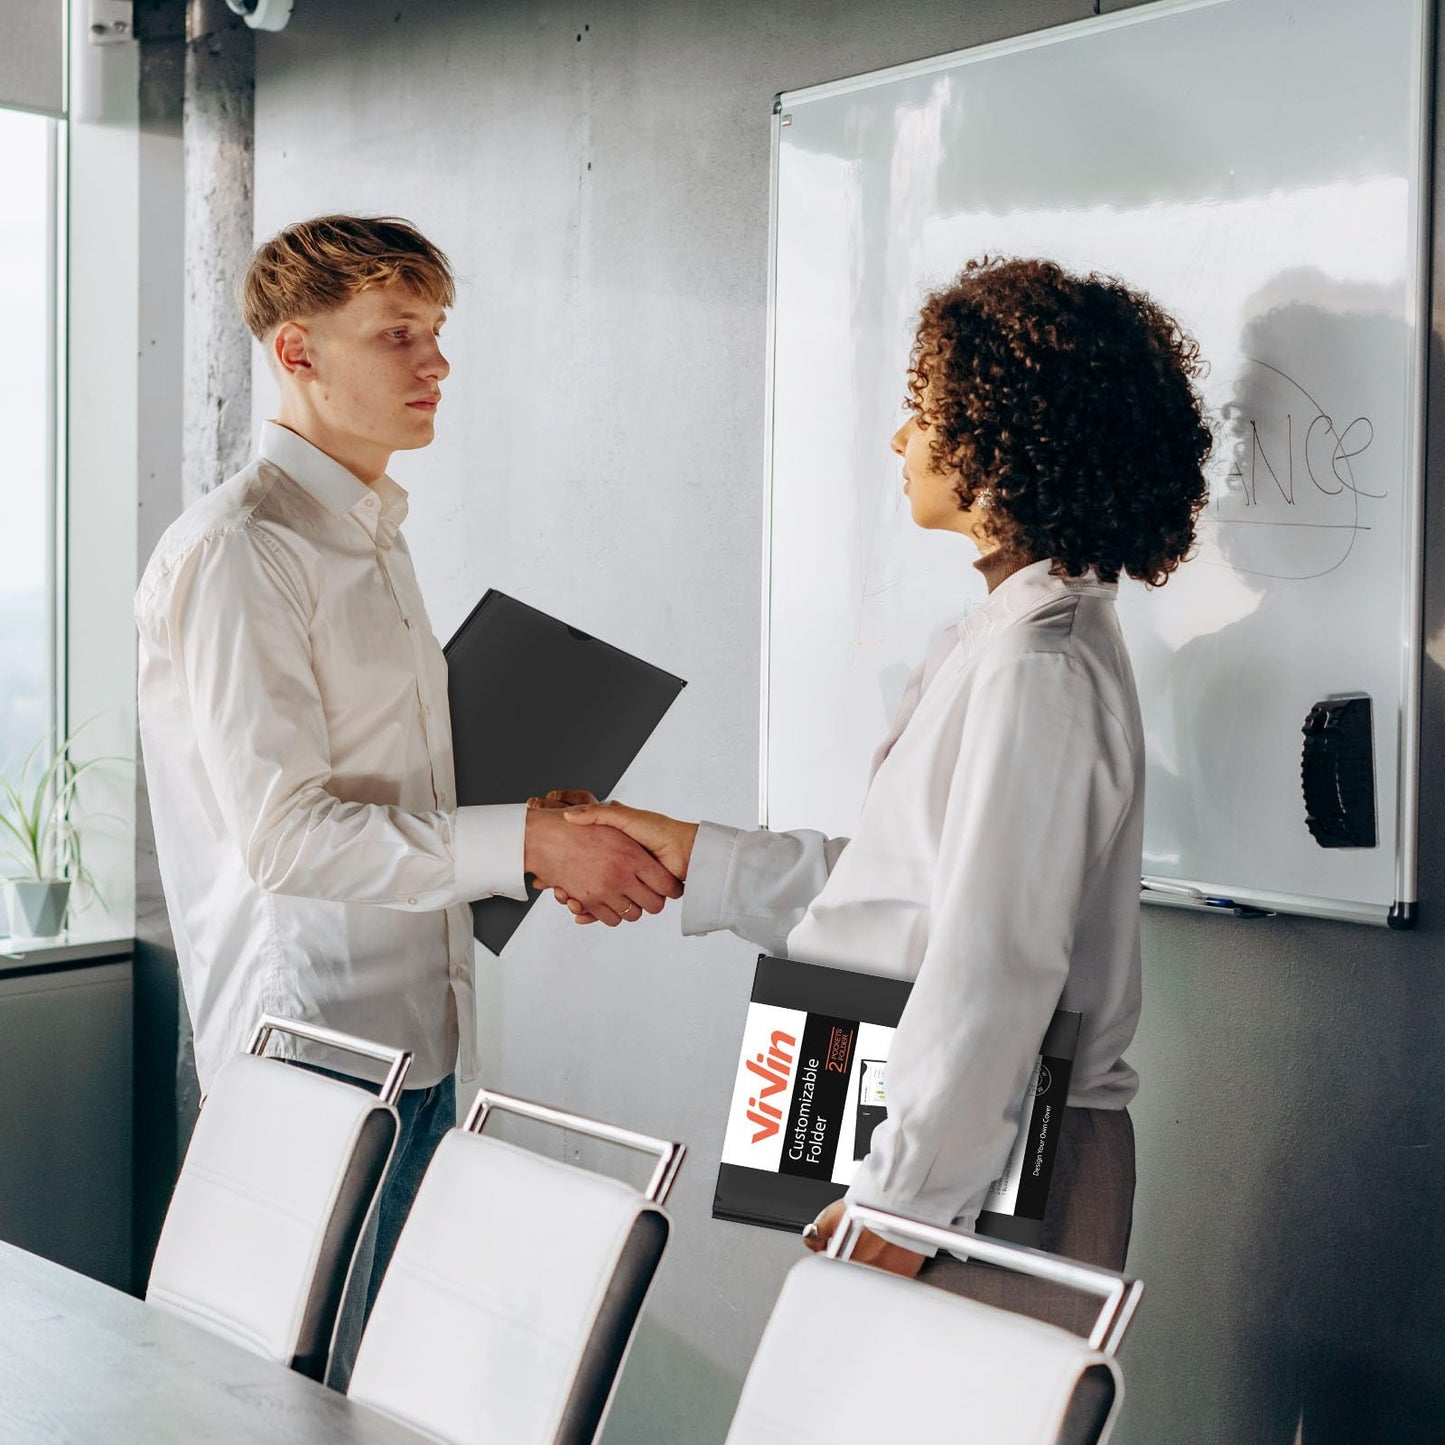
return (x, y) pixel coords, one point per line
(707, 876)
(488, 845)
(860, 1192)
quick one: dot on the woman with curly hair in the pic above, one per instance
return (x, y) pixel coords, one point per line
(1053, 422)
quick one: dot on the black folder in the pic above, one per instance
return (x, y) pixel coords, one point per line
(811, 1088)
(538, 705)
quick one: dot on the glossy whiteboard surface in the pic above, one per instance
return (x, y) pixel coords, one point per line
(1256, 166)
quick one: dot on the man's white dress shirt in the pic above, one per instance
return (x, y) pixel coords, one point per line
(996, 864)
(298, 753)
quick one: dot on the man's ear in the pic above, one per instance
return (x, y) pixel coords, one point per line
(291, 350)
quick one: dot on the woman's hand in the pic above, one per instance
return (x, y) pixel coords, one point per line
(611, 877)
(669, 840)
(869, 1248)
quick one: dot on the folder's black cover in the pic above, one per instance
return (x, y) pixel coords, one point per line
(538, 705)
(805, 1123)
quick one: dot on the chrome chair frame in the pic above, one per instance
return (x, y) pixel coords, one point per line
(670, 1154)
(397, 1060)
(1120, 1293)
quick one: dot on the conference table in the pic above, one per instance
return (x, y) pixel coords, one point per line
(81, 1362)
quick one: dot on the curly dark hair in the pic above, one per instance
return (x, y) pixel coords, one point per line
(1067, 406)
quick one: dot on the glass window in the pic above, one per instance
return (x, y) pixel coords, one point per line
(27, 433)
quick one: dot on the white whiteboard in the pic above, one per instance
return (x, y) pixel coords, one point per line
(1258, 167)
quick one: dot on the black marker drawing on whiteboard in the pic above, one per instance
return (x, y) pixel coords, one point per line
(1320, 424)
(1292, 467)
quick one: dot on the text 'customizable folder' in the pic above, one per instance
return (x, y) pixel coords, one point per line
(812, 1086)
(538, 705)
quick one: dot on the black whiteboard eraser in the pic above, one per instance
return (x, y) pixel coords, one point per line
(1337, 771)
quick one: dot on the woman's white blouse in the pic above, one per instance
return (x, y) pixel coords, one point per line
(996, 864)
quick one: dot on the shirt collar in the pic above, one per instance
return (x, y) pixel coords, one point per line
(393, 499)
(381, 507)
(1025, 591)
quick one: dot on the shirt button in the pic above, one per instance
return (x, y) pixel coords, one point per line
(412, 901)
(370, 501)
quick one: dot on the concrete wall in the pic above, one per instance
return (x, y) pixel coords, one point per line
(599, 174)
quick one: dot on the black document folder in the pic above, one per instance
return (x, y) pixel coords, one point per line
(811, 1088)
(538, 705)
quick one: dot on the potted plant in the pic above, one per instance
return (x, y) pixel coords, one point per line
(38, 831)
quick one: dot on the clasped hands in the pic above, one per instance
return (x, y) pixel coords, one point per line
(606, 862)
(611, 864)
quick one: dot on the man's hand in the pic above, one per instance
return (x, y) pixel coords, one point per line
(869, 1248)
(611, 877)
(560, 798)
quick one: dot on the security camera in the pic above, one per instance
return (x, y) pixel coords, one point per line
(262, 14)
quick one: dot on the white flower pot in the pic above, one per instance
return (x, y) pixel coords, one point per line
(37, 906)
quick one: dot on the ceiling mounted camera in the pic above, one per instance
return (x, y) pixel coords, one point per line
(263, 14)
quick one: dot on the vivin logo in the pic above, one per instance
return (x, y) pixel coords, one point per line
(776, 1067)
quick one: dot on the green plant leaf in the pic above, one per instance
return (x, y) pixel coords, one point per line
(37, 814)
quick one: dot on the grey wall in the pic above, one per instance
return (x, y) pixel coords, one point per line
(599, 173)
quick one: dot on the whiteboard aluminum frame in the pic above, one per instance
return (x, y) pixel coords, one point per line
(1420, 281)
(1177, 893)
(775, 141)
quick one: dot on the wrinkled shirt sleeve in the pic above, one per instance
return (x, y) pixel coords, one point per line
(239, 623)
(755, 883)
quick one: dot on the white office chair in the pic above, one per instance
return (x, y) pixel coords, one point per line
(282, 1171)
(510, 1303)
(853, 1355)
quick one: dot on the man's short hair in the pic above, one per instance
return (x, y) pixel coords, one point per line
(318, 265)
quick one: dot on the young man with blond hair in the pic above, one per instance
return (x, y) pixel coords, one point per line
(293, 706)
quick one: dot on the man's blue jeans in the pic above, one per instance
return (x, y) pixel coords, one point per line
(426, 1115)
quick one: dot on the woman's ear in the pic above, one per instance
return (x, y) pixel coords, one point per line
(978, 519)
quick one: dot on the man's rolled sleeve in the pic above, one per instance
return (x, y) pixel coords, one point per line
(489, 843)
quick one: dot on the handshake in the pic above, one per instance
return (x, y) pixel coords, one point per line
(607, 862)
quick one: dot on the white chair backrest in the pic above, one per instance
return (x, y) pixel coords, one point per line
(282, 1170)
(853, 1355)
(511, 1301)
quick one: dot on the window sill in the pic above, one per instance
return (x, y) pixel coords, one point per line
(78, 946)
